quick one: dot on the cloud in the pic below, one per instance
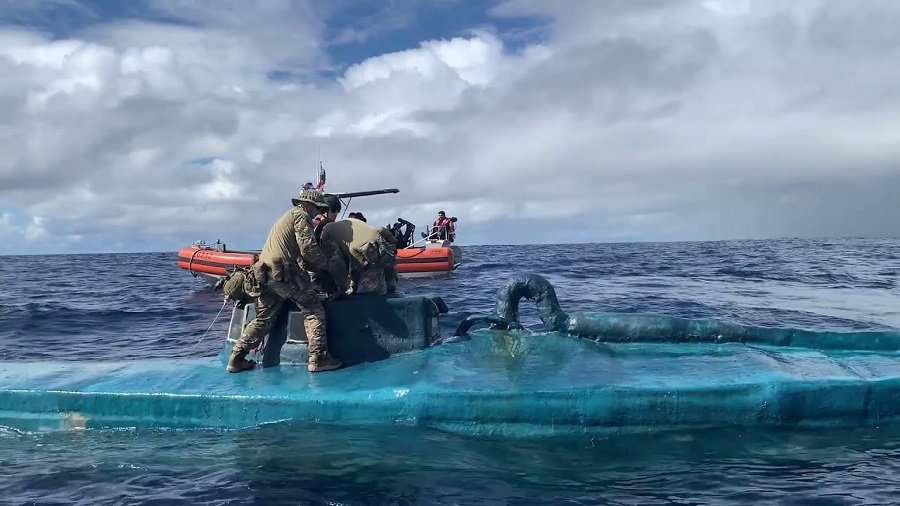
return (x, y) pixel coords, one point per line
(530, 121)
(16, 232)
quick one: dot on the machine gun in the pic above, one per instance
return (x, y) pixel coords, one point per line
(349, 196)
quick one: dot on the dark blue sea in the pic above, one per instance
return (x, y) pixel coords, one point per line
(138, 306)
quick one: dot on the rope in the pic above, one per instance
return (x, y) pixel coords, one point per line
(191, 262)
(224, 303)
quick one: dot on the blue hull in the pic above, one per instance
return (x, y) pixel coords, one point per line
(494, 383)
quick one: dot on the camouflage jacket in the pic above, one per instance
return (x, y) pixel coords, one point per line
(291, 244)
(363, 243)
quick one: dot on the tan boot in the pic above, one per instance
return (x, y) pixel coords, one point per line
(320, 363)
(237, 362)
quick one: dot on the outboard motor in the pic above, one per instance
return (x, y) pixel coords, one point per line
(403, 237)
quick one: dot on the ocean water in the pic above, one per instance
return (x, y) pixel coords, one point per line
(138, 306)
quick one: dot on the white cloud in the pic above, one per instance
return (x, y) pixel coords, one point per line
(35, 230)
(15, 235)
(655, 120)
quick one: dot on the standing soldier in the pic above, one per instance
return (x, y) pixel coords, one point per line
(279, 275)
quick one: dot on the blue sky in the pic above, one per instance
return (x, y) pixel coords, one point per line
(355, 30)
(143, 126)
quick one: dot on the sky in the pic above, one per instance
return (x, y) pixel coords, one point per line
(149, 124)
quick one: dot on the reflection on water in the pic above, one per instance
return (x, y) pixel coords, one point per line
(307, 464)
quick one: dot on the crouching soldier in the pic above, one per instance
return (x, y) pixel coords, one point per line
(370, 252)
(320, 278)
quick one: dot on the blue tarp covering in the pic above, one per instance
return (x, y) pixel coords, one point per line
(495, 383)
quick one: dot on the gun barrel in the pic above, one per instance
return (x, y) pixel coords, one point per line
(366, 193)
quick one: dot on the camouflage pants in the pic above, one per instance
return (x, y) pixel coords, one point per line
(390, 268)
(375, 270)
(371, 280)
(299, 289)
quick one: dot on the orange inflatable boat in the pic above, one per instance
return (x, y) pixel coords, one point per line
(213, 261)
(430, 261)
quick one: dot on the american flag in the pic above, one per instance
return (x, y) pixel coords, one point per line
(321, 184)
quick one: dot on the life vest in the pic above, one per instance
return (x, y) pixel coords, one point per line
(448, 226)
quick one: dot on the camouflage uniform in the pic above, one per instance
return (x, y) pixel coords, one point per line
(370, 252)
(280, 276)
(390, 266)
(321, 279)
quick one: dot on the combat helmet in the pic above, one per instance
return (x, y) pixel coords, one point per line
(312, 196)
(332, 201)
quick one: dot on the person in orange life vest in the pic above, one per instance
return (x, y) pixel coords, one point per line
(443, 221)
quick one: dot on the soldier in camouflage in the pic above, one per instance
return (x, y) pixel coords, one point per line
(280, 275)
(320, 278)
(370, 253)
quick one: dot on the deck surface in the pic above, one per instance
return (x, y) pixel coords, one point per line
(493, 383)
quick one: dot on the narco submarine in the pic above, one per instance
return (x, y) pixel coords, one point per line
(581, 373)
